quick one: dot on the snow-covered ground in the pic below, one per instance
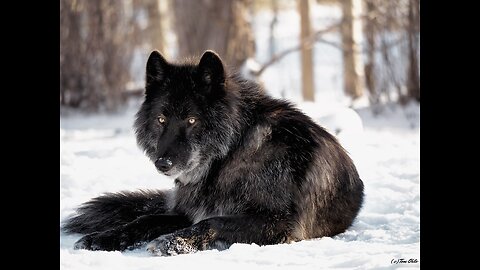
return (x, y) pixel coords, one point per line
(99, 154)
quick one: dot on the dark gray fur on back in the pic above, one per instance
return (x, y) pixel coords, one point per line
(252, 168)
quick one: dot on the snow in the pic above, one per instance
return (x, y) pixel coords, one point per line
(98, 154)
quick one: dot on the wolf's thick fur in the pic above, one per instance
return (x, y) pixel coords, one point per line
(248, 168)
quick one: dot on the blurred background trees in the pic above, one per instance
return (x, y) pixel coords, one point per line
(221, 26)
(104, 45)
(95, 53)
(392, 31)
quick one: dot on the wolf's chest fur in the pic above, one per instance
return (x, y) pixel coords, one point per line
(237, 184)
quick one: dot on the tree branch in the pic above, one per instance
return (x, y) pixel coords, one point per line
(315, 37)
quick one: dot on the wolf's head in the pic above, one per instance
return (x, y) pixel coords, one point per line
(188, 115)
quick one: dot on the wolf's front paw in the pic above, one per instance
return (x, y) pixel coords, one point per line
(108, 241)
(170, 244)
(84, 243)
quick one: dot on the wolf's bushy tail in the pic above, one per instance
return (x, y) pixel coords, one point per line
(113, 209)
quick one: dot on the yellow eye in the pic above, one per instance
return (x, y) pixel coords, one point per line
(191, 120)
(161, 119)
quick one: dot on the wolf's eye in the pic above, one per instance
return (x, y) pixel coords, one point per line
(161, 119)
(192, 120)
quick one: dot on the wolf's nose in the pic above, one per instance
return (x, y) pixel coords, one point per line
(163, 164)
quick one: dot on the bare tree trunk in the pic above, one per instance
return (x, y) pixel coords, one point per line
(94, 54)
(371, 47)
(273, 24)
(72, 86)
(306, 51)
(413, 78)
(154, 29)
(224, 29)
(352, 61)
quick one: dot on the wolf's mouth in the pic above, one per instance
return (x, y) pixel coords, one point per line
(171, 173)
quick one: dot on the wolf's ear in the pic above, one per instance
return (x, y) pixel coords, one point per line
(211, 68)
(156, 67)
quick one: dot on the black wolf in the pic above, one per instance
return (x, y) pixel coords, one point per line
(248, 168)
